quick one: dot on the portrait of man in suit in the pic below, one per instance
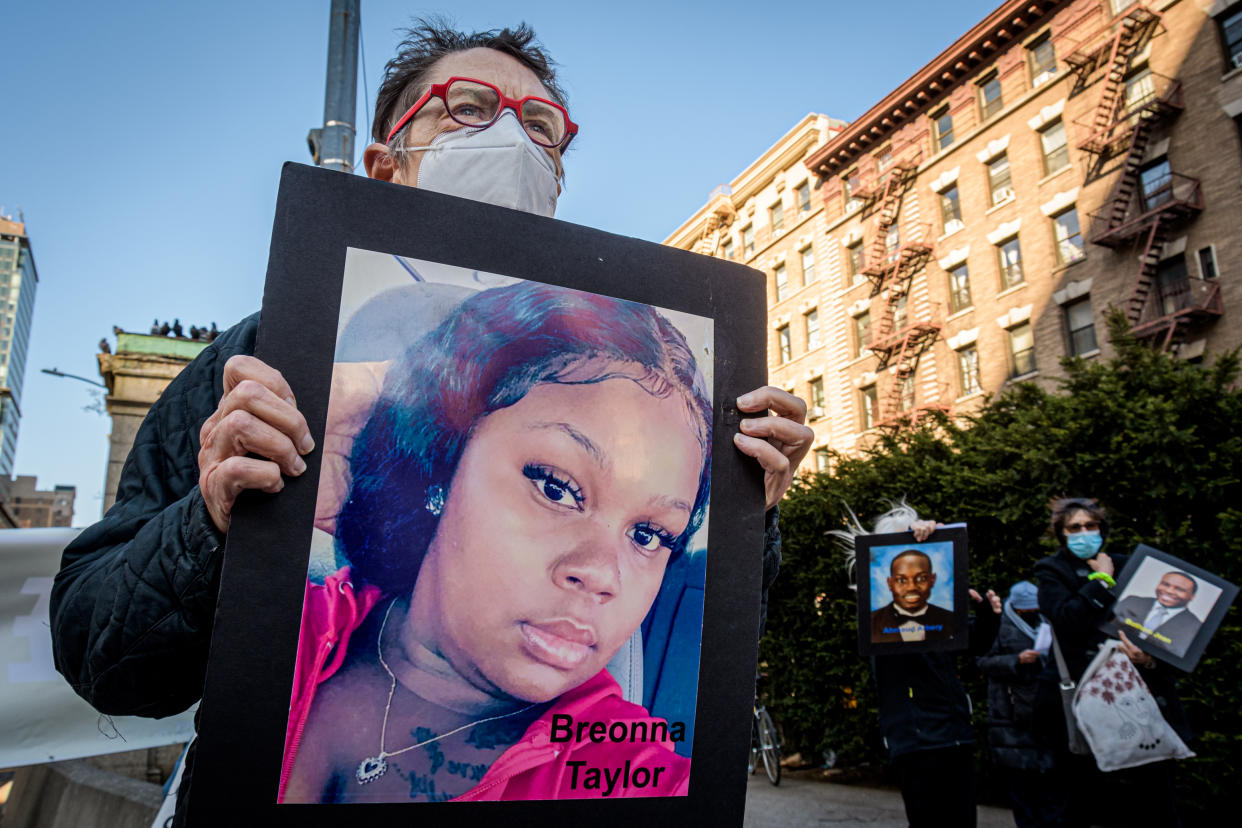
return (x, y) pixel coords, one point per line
(1165, 619)
(909, 616)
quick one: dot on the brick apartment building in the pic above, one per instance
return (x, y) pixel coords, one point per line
(974, 226)
(31, 507)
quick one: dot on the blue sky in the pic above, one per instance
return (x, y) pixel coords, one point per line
(143, 142)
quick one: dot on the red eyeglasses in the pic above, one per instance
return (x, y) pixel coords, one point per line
(476, 103)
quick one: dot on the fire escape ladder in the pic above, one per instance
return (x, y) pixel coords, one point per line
(1123, 193)
(905, 365)
(881, 258)
(1148, 262)
(1118, 60)
(710, 239)
(896, 291)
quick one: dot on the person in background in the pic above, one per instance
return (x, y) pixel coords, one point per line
(133, 604)
(1076, 595)
(1012, 667)
(924, 711)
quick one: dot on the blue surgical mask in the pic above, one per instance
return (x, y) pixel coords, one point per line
(1084, 544)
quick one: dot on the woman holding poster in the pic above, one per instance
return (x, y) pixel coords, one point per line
(505, 534)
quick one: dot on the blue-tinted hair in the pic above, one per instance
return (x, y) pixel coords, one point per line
(487, 355)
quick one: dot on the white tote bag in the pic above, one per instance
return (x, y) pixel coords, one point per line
(1120, 717)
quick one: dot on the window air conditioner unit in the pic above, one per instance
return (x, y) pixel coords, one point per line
(1237, 60)
(1003, 194)
(817, 411)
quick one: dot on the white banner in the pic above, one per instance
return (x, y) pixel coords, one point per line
(41, 718)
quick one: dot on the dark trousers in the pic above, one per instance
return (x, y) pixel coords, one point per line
(1037, 799)
(1118, 799)
(938, 786)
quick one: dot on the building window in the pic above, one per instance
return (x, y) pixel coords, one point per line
(812, 328)
(959, 288)
(850, 182)
(893, 239)
(968, 371)
(1056, 153)
(1022, 349)
(862, 332)
(1043, 58)
(782, 282)
(817, 398)
(802, 194)
(999, 180)
(869, 402)
(899, 312)
(907, 391)
(1120, 5)
(728, 249)
(782, 343)
(748, 240)
(855, 261)
(1231, 32)
(1069, 238)
(1140, 88)
(1010, 254)
(942, 124)
(1157, 183)
(777, 215)
(821, 460)
(1081, 325)
(1207, 262)
(883, 160)
(1172, 284)
(951, 209)
(990, 99)
(808, 265)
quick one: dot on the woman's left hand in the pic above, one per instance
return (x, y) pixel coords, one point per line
(778, 441)
(1136, 656)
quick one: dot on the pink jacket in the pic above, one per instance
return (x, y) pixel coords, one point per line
(534, 767)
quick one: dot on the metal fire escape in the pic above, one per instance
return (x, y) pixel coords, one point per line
(720, 216)
(1141, 210)
(891, 270)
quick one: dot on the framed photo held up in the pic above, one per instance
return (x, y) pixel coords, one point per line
(522, 568)
(912, 595)
(1169, 608)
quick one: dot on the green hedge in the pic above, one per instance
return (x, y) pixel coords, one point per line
(1156, 439)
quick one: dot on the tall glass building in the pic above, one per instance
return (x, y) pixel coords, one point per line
(18, 281)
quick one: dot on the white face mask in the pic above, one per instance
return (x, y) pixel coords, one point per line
(497, 165)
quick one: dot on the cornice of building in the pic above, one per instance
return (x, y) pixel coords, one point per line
(933, 82)
(814, 129)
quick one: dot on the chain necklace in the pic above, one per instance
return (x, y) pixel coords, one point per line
(373, 767)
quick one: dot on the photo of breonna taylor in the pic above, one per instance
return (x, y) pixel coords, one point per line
(536, 459)
(912, 584)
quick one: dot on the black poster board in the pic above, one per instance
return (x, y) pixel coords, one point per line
(912, 595)
(322, 220)
(1196, 602)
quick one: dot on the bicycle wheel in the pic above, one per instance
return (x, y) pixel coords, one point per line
(769, 747)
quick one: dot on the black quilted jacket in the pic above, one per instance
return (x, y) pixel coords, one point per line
(133, 603)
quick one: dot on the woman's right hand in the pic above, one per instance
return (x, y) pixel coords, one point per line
(1101, 563)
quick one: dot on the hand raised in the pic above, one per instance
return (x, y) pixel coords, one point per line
(778, 440)
(257, 415)
(1101, 563)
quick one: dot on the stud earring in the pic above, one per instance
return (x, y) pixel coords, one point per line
(435, 499)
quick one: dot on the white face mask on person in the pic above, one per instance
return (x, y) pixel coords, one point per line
(498, 164)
